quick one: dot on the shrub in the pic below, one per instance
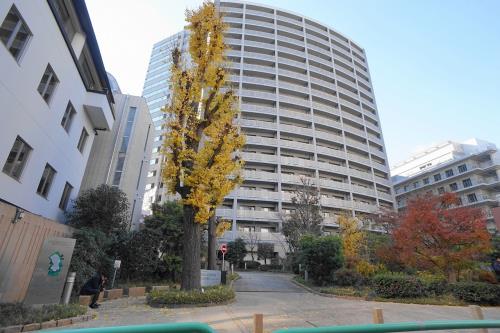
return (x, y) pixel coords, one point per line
(321, 256)
(252, 264)
(19, 314)
(398, 286)
(211, 295)
(367, 269)
(485, 276)
(273, 267)
(434, 284)
(347, 277)
(477, 292)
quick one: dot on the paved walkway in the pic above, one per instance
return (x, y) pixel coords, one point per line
(291, 306)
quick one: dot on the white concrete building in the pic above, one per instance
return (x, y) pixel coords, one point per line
(307, 109)
(54, 97)
(471, 169)
(121, 157)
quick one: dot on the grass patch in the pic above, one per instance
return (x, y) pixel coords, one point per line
(446, 299)
(233, 276)
(20, 314)
(346, 291)
(209, 296)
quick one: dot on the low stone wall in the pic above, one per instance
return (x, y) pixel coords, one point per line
(136, 291)
(45, 325)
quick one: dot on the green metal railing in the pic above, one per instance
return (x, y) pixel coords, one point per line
(398, 327)
(151, 328)
(370, 328)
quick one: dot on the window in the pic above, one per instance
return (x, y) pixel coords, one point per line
(449, 173)
(437, 177)
(415, 184)
(150, 186)
(425, 181)
(17, 158)
(83, 140)
(462, 168)
(48, 84)
(467, 182)
(68, 117)
(15, 33)
(65, 196)
(152, 173)
(472, 197)
(153, 162)
(459, 201)
(453, 186)
(124, 146)
(46, 181)
(441, 190)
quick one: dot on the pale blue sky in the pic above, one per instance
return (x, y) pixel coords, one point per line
(435, 64)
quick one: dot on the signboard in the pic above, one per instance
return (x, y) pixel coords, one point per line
(117, 264)
(223, 248)
(210, 278)
(49, 276)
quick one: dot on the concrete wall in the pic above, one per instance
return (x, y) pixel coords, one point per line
(20, 244)
(25, 113)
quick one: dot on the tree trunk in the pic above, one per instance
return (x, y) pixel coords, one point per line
(212, 244)
(191, 262)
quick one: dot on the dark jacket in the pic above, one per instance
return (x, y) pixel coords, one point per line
(496, 267)
(92, 286)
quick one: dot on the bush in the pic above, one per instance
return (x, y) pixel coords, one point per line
(321, 256)
(434, 284)
(347, 277)
(20, 314)
(398, 286)
(211, 295)
(272, 267)
(477, 292)
(252, 264)
(485, 276)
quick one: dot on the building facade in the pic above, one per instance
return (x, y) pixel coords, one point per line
(156, 92)
(121, 157)
(54, 98)
(307, 109)
(470, 169)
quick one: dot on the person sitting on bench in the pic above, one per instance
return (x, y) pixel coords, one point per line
(93, 287)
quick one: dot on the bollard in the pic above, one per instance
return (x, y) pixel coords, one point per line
(232, 269)
(306, 275)
(378, 316)
(258, 323)
(68, 287)
(477, 313)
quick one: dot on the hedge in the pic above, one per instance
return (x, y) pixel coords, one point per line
(398, 286)
(476, 292)
(346, 277)
(210, 295)
(20, 314)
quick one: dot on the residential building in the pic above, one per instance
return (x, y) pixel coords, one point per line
(54, 99)
(120, 157)
(470, 169)
(156, 91)
(307, 109)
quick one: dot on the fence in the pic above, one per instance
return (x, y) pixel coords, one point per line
(20, 244)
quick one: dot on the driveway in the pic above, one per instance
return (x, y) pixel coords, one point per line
(266, 282)
(286, 306)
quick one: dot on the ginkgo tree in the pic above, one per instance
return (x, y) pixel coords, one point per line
(202, 164)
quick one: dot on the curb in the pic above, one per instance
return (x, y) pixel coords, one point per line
(45, 324)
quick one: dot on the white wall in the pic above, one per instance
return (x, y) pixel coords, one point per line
(25, 113)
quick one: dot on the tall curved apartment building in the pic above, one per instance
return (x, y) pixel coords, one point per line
(307, 109)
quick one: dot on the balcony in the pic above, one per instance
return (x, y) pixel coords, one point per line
(297, 162)
(258, 195)
(272, 237)
(257, 124)
(327, 122)
(359, 159)
(292, 74)
(354, 130)
(263, 45)
(258, 94)
(385, 196)
(260, 175)
(330, 152)
(99, 110)
(294, 179)
(334, 185)
(260, 141)
(259, 23)
(295, 100)
(261, 158)
(296, 129)
(332, 137)
(259, 68)
(259, 13)
(295, 115)
(258, 109)
(257, 215)
(296, 145)
(255, 80)
(356, 144)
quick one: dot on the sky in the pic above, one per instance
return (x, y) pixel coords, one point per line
(435, 65)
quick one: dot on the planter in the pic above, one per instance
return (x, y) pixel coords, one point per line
(136, 291)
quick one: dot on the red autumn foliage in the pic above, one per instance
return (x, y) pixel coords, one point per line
(434, 232)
